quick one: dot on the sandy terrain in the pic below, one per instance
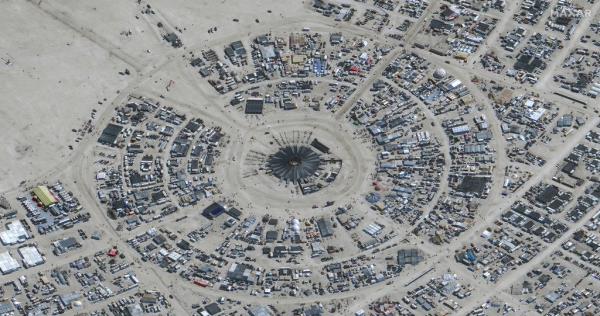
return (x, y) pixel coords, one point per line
(54, 79)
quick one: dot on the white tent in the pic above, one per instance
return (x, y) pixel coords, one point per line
(16, 233)
(8, 264)
(31, 256)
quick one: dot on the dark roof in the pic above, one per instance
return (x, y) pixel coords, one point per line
(229, 52)
(314, 310)
(271, 236)
(213, 211)
(409, 256)
(547, 194)
(184, 244)
(238, 47)
(437, 24)
(68, 243)
(569, 167)
(528, 62)
(238, 273)
(159, 239)
(110, 134)
(262, 39)
(196, 62)
(157, 196)
(473, 184)
(173, 39)
(254, 106)
(325, 227)
(192, 126)
(234, 212)
(319, 146)
(212, 308)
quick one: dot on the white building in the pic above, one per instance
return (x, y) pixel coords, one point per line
(8, 264)
(31, 256)
(14, 234)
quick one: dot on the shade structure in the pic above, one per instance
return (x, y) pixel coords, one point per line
(44, 195)
(294, 163)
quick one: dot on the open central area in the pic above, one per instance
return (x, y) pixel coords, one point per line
(294, 164)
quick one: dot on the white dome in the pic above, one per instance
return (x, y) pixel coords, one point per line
(295, 225)
(439, 73)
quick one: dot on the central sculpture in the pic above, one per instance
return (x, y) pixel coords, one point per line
(294, 163)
